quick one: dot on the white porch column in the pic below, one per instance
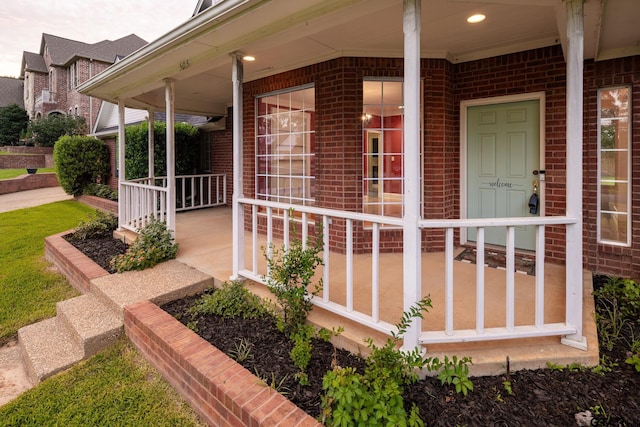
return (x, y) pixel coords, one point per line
(121, 168)
(151, 149)
(238, 192)
(575, 65)
(411, 257)
(171, 156)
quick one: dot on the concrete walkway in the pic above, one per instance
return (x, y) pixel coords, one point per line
(31, 198)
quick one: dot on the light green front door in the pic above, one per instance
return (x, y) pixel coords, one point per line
(503, 151)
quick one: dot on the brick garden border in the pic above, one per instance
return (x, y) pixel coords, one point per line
(220, 390)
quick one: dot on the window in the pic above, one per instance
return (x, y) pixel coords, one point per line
(73, 75)
(52, 81)
(285, 146)
(614, 166)
(383, 147)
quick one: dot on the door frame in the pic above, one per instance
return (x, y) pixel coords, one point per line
(464, 105)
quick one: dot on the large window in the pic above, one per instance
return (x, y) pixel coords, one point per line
(285, 146)
(383, 147)
(614, 166)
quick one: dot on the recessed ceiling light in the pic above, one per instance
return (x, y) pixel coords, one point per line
(474, 19)
(249, 58)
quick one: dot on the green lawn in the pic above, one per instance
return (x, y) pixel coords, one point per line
(116, 387)
(28, 289)
(12, 173)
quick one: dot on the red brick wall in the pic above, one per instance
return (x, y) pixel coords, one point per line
(220, 390)
(28, 182)
(607, 259)
(73, 264)
(222, 153)
(19, 161)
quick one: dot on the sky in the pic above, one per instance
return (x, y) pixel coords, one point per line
(22, 23)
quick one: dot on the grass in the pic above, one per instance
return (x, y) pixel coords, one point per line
(116, 387)
(13, 173)
(28, 289)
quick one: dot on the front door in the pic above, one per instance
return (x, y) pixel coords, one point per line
(503, 151)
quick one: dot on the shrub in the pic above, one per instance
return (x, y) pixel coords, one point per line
(291, 270)
(46, 131)
(96, 224)
(101, 190)
(154, 245)
(137, 149)
(13, 122)
(231, 300)
(80, 161)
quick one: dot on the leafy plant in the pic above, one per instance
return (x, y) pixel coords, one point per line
(101, 190)
(291, 270)
(455, 372)
(47, 130)
(13, 121)
(153, 245)
(634, 361)
(375, 397)
(618, 305)
(80, 161)
(96, 224)
(231, 300)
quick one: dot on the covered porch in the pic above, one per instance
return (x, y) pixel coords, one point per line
(353, 299)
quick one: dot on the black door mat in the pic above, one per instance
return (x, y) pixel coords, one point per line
(523, 264)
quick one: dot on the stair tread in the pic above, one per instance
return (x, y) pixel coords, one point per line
(88, 316)
(48, 348)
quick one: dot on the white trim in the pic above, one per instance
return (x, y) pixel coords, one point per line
(464, 105)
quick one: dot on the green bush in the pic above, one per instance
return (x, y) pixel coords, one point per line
(136, 150)
(13, 122)
(80, 161)
(46, 131)
(153, 245)
(101, 190)
(230, 301)
(97, 224)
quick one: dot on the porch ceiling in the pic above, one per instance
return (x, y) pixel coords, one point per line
(285, 35)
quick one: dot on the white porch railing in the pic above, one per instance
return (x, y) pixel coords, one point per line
(371, 316)
(146, 198)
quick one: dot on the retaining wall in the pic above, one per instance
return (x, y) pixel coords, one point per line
(28, 182)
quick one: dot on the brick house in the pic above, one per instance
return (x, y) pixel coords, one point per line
(51, 77)
(404, 128)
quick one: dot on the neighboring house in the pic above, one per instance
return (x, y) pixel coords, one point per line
(11, 90)
(51, 77)
(402, 128)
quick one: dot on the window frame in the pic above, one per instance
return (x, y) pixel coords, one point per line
(264, 159)
(600, 181)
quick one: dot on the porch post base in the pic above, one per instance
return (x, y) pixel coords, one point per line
(578, 342)
(237, 278)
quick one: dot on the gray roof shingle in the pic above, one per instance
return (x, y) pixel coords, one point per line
(11, 91)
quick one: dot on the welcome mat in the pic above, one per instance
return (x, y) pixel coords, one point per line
(523, 264)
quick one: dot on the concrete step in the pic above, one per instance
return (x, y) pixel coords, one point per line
(166, 282)
(47, 349)
(92, 325)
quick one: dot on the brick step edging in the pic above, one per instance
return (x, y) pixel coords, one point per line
(220, 390)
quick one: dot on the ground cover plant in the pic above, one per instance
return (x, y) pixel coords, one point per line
(116, 387)
(29, 290)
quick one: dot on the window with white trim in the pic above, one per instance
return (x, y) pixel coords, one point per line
(285, 146)
(614, 166)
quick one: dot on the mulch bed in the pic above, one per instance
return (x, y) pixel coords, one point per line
(101, 249)
(544, 397)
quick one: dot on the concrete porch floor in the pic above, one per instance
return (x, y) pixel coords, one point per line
(205, 243)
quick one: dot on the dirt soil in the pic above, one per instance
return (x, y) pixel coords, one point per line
(545, 397)
(101, 250)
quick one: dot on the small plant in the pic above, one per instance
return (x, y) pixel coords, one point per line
(604, 366)
(634, 361)
(242, 350)
(231, 300)
(101, 190)
(154, 245)
(375, 397)
(274, 383)
(507, 387)
(96, 224)
(456, 372)
(618, 303)
(291, 270)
